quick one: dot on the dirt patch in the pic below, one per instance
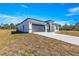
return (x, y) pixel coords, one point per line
(31, 44)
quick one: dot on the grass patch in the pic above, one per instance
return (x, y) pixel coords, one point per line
(73, 33)
(31, 44)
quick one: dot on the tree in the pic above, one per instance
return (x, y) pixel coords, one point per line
(77, 26)
(12, 26)
(71, 27)
(6, 26)
(65, 27)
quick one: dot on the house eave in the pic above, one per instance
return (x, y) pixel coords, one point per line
(29, 19)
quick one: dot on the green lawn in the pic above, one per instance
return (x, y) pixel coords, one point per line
(73, 33)
(31, 44)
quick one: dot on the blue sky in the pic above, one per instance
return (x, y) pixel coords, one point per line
(61, 13)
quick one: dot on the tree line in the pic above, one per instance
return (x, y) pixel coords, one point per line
(8, 26)
(74, 27)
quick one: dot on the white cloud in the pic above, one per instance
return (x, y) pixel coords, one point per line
(10, 19)
(76, 9)
(73, 11)
(2, 15)
(24, 6)
(62, 22)
(70, 14)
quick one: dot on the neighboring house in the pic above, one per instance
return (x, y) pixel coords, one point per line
(32, 25)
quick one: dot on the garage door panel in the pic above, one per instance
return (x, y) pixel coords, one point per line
(38, 28)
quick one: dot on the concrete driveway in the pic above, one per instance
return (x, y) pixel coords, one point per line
(66, 38)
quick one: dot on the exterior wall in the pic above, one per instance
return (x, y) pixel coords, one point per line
(30, 27)
(56, 28)
(46, 28)
(37, 22)
(23, 27)
(53, 27)
(50, 26)
(26, 26)
(31, 22)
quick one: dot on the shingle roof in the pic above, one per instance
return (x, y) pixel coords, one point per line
(36, 20)
(29, 19)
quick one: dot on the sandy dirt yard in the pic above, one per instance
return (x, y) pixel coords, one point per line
(24, 44)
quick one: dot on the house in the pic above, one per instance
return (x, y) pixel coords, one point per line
(33, 25)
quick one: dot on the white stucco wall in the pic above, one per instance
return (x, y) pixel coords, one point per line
(56, 28)
(46, 28)
(26, 26)
(30, 27)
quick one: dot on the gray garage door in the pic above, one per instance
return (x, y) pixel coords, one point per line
(38, 28)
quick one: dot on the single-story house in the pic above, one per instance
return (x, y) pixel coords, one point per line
(33, 25)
